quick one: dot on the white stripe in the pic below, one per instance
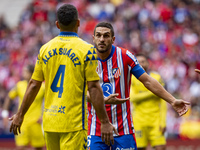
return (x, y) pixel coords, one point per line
(122, 87)
(100, 72)
(112, 81)
(132, 57)
(93, 121)
(128, 78)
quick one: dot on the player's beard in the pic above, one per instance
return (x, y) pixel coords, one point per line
(104, 50)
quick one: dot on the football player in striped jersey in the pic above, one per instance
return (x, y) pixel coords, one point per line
(115, 66)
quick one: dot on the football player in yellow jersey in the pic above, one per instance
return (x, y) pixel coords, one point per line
(31, 130)
(68, 65)
(149, 111)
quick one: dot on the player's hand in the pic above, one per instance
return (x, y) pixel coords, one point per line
(107, 133)
(180, 106)
(197, 70)
(16, 124)
(112, 99)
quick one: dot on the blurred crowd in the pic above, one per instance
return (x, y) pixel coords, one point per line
(167, 31)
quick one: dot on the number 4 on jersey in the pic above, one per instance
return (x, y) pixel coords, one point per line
(54, 88)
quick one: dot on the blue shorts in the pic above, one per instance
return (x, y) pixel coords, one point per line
(120, 143)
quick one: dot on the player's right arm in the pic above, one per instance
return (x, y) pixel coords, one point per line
(97, 100)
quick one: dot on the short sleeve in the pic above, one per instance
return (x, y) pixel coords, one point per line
(13, 93)
(38, 72)
(91, 64)
(136, 69)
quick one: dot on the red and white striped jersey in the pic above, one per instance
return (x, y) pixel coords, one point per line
(114, 75)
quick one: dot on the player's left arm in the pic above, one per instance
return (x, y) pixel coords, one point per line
(31, 92)
(197, 70)
(179, 105)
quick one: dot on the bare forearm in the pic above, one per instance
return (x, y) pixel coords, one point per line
(155, 87)
(29, 96)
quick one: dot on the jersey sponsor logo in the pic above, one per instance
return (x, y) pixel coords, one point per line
(54, 109)
(107, 89)
(61, 109)
(138, 133)
(116, 72)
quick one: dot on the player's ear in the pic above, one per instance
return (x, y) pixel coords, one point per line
(57, 25)
(93, 37)
(78, 23)
(113, 39)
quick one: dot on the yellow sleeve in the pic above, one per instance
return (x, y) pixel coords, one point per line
(38, 73)
(91, 64)
(13, 93)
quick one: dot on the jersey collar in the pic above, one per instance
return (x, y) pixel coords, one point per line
(71, 34)
(112, 52)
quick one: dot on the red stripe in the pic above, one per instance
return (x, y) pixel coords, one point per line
(134, 139)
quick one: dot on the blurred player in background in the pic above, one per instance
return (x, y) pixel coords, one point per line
(149, 111)
(197, 70)
(67, 64)
(115, 67)
(31, 130)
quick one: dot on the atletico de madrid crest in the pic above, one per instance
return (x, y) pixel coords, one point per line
(116, 72)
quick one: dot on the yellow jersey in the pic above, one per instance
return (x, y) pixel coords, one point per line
(148, 109)
(35, 111)
(66, 63)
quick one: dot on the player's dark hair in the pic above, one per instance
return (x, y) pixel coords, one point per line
(141, 54)
(107, 25)
(67, 16)
(30, 68)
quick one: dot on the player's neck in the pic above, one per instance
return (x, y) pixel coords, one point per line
(73, 30)
(104, 55)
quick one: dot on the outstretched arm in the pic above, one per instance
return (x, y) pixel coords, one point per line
(180, 106)
(31, 92)
(197, 70)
